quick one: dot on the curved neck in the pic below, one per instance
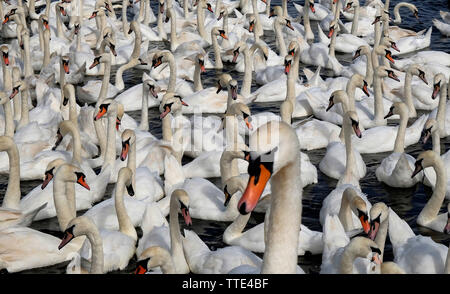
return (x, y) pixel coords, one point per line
(161, 31)
(380, 239)
(408, 94)
(59, 29)
(12, 195)
(436, 142)
(119, 74)
(351, 252)
(46, 60)
(280, 38)
(27, 66)
(137, 42)
(73, 116)
(176, 245)
(62, 207)
(97, 250)
(286, 207)
(350, 89)
(131, 163)
(431, 209)
(76, 139)
(125, 225)
(234, 230)
(345, 213)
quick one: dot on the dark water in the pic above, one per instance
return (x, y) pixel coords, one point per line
(407, 203)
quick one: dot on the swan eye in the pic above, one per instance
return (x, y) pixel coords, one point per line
(375, 250)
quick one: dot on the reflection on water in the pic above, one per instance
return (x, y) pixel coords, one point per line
(407, 203)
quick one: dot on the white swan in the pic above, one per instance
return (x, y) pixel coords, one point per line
(395, 170)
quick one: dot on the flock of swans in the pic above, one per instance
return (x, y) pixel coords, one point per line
(64, 120)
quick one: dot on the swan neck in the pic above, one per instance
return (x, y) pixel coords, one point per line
(399, 146)
(197, 78)
(246, 84)
(9, 120)
(441, 112)
(12, 195)
(217, 56)
(125, 225)
(144, 109)
(176, 245)
(61, 201)
(408, 95)
(286, 207)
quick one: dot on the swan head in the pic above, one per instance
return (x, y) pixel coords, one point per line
(439, 79)
(200, 61)
(50, 171)
(362, 50)
(358, 207)
(5, 54)
(383, 72)
(65, 127)
(171, 103)
(160, 57)
(65, 63)
(60, 8)
(359, 81)
(338, 96)
(273, 146)
(153, 257)
(430, 127)
(17, 87)
(107, 107)
(239, 109)
(102, 58)
(311, 6)
(134, 26)
(78, 226)
(389, 42)
(415, 69)
(181, 200)
(350, 3)
(128, 139)
(333, 27)
(425, 159)
(71, 173)
(44, 21)
(223, 81)
(233, 88)
(293, 47)
(399, 108)
(240, 46)
(152, 87)
(276, 11)
(216, 31)
(351, 118)
(9, 14)
(288, 62)
(365, 248)
(378, 214)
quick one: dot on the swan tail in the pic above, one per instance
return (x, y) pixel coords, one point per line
(322, 37)
(173, 174)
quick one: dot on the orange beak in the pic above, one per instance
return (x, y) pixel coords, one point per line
(166, 112)
(365, 90)
(311, 6)
(330, 33)
(140, 270)
(202, 68)
(224, 36)
(94, 64)
(6, 60)
(248, 124)
(100, 113)
(186, 216)
(250, 28)
(365, 224)
(63, 12)
(83, 183)
(287, 68)
(389, 57)
(118, 122)
(254, 190)
(6, 19)
(66, 68)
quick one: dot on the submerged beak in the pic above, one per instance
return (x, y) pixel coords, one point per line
(254, 190)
